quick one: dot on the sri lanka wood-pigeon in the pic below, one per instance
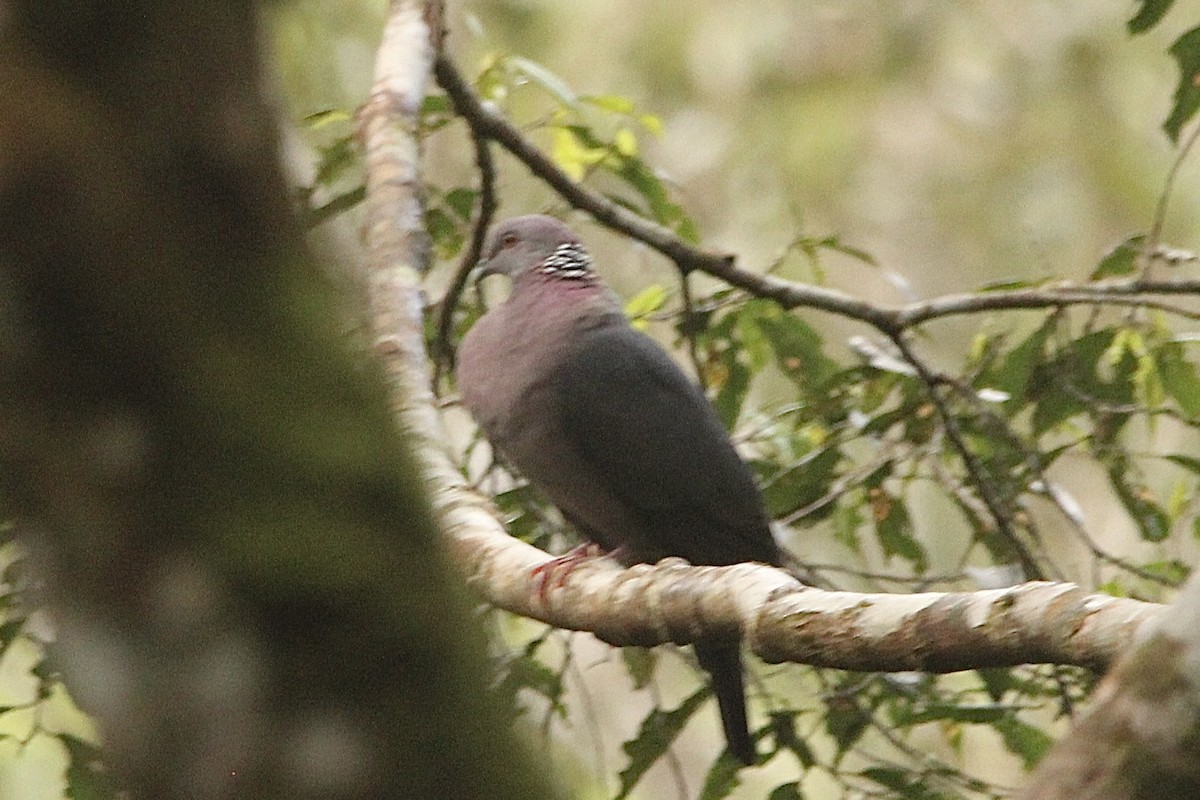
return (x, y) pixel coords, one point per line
(600, 418)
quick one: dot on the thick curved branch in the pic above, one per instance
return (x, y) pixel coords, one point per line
(783, 620)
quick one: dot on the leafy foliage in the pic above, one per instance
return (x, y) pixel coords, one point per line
(1186, 52)
(877, 453)
(45, 707)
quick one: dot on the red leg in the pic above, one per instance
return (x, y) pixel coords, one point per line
(552, 573)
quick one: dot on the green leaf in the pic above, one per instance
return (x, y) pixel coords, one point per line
(786, 791)
(1025, 741)
(731, 392)
(9, 632)
(1012, 376)
(952, 712)
(335, 158)
(572, 155)
(722, 778)
(906, 784)
(783, 729)
(639, 663)
(845, 721)
(1189, 463)
(803, 483)
(517, 505)
(1121, 260)
(659, 730)
(1171, 570)
(1081, 371)
(662, 208)
(589, 149)
(343, 202)
(610, 102)
(626, 143)
(1009, 284)
(996, 681)
(847, 520)
(328, 117)
(797, 346)
(1054, 408)
(1148, 15)
(461, 200)
(1153, 523)
(893, 527)
(753, 343)
(652, 123)
(811, 247)
(1179, 377)
(646, 302)
(435, 105)
(445, 232)
(526, 671)
(1186, 51)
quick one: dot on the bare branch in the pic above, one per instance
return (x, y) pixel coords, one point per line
(443, 349)
(489, 123)
(1129, 292)
(1154, 239)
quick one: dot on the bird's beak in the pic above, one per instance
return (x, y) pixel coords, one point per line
(481, 270)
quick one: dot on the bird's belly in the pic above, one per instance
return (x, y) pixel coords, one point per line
(571, 484)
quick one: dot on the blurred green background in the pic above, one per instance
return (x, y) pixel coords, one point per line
(958, 143)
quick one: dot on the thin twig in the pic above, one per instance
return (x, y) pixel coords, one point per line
(1160, 210)
(486, 209)
(982, 481)
(689, 332)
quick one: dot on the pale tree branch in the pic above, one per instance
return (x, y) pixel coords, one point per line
(1141, 736)
(783, 620)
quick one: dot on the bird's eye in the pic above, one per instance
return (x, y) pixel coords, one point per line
(508, 240)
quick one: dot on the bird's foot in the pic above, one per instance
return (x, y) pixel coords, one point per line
(553, 573)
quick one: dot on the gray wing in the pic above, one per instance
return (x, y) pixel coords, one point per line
(659, 446)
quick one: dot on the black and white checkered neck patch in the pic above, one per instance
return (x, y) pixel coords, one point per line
(569, 260)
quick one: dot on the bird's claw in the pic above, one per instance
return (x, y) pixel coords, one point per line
(553, 573)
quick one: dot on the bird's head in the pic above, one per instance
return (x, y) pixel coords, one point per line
(535, 244)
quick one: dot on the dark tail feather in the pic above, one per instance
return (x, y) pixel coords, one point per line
(724, 664)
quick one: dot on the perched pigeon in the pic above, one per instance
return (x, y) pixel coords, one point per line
(600, 418)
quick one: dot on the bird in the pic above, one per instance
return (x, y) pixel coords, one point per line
(599, 417)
